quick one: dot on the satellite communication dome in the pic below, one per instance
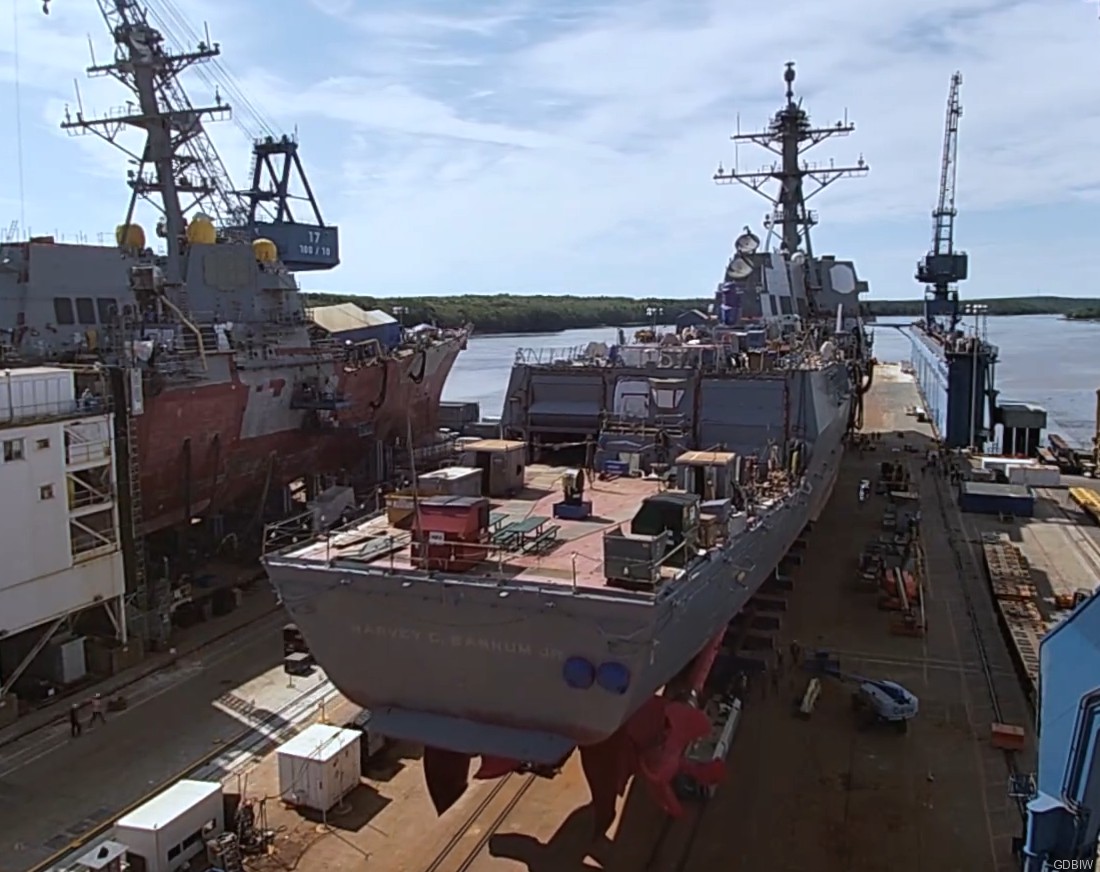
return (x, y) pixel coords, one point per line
(739, 268)
(747, 242)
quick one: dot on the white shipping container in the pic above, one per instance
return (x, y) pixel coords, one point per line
(319, 767)
(36, 391)
(1035, 476)
(171, 828)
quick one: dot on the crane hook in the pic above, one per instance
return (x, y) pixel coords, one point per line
(45, 7)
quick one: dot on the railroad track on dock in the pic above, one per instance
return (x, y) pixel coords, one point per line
(972, 578)
(464, 848)
(672, 849)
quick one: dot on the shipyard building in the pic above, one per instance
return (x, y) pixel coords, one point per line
(58, 533)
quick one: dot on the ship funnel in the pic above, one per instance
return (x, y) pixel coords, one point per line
(747, 242)
(739, 268)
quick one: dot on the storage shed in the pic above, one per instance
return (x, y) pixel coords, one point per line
(502, 463)
(171, 828)
(319, 767)
(996, 499)
(692, 318)
(347, 322)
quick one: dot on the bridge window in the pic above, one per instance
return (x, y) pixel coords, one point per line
(107, 308)
(85, 311)
(63, 310)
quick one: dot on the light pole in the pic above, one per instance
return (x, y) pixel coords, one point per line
(653, 313)
(975, 309)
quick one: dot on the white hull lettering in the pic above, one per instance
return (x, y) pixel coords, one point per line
(459, 640)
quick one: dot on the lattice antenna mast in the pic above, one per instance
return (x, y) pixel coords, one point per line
(178, 171)
(943, 233)
(790, 135)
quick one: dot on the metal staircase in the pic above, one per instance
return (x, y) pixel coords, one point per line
(147, 607)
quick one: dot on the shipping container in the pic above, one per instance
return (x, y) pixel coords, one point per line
(168, 831)
(36, 392)
(996, 499)
(451, 481)
(319, 767)
(502, 463)
(1035, 475)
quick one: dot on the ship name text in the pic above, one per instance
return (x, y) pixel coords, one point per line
(452, 639)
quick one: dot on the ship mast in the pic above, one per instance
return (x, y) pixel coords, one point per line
(790, 135)
(178, 170)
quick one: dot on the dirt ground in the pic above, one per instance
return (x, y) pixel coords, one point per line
(817, 794)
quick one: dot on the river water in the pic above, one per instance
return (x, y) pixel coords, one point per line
(1043, 359)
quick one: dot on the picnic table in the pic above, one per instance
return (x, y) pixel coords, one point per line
(496, 519)
(530, 534)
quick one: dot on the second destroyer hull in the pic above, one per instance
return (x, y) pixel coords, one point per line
(236, 436)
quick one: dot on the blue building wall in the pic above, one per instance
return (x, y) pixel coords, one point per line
(948, 384)
(1064, 816)
(930, 369)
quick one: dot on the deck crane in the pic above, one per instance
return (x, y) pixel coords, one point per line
(942, 267)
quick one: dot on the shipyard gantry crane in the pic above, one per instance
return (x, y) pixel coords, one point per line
(178, 169)
(942, 267)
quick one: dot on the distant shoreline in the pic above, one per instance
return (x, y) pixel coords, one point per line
(493, 314)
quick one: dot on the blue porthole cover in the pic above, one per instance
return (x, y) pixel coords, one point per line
(613, 677)
(580, 674)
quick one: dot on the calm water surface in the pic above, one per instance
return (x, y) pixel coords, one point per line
(1043, 359)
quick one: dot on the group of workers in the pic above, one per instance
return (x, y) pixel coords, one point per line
(98, 716)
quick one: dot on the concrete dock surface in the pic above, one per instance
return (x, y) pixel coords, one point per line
(817, 794)
(55, 788)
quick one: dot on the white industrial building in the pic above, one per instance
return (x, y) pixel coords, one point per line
(319, 767)
(172, 828)
(59, 529)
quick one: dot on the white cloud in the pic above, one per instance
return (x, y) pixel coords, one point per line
(562, 146)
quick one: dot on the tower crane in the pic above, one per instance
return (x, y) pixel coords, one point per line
(942, 267)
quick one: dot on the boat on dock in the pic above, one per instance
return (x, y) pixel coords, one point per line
(539, 596)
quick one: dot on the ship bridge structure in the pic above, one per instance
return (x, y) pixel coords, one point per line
(1063, 815)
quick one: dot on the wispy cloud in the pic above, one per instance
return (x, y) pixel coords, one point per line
(566, 145)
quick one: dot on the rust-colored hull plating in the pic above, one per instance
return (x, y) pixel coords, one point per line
(233, 437)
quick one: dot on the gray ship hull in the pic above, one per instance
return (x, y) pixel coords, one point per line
(443, 661)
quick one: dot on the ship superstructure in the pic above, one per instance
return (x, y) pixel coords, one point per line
(538, 596)
(225, 389)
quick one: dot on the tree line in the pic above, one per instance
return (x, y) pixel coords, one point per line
(544, 313)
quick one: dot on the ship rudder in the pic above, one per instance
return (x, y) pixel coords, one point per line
(447, 774)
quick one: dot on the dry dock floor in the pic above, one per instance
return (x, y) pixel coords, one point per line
(815, 794)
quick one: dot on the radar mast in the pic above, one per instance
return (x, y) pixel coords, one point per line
(789, 136)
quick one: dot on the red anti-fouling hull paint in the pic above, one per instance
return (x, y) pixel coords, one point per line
(224, 444)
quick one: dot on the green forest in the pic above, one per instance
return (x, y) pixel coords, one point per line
(513, 313)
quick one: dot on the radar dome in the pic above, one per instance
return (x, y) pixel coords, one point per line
(265, 251)
(130, 236)
(201, 231)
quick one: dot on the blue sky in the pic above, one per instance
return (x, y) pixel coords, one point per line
(564, 146)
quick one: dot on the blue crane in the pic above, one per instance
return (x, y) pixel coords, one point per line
(942, 267)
